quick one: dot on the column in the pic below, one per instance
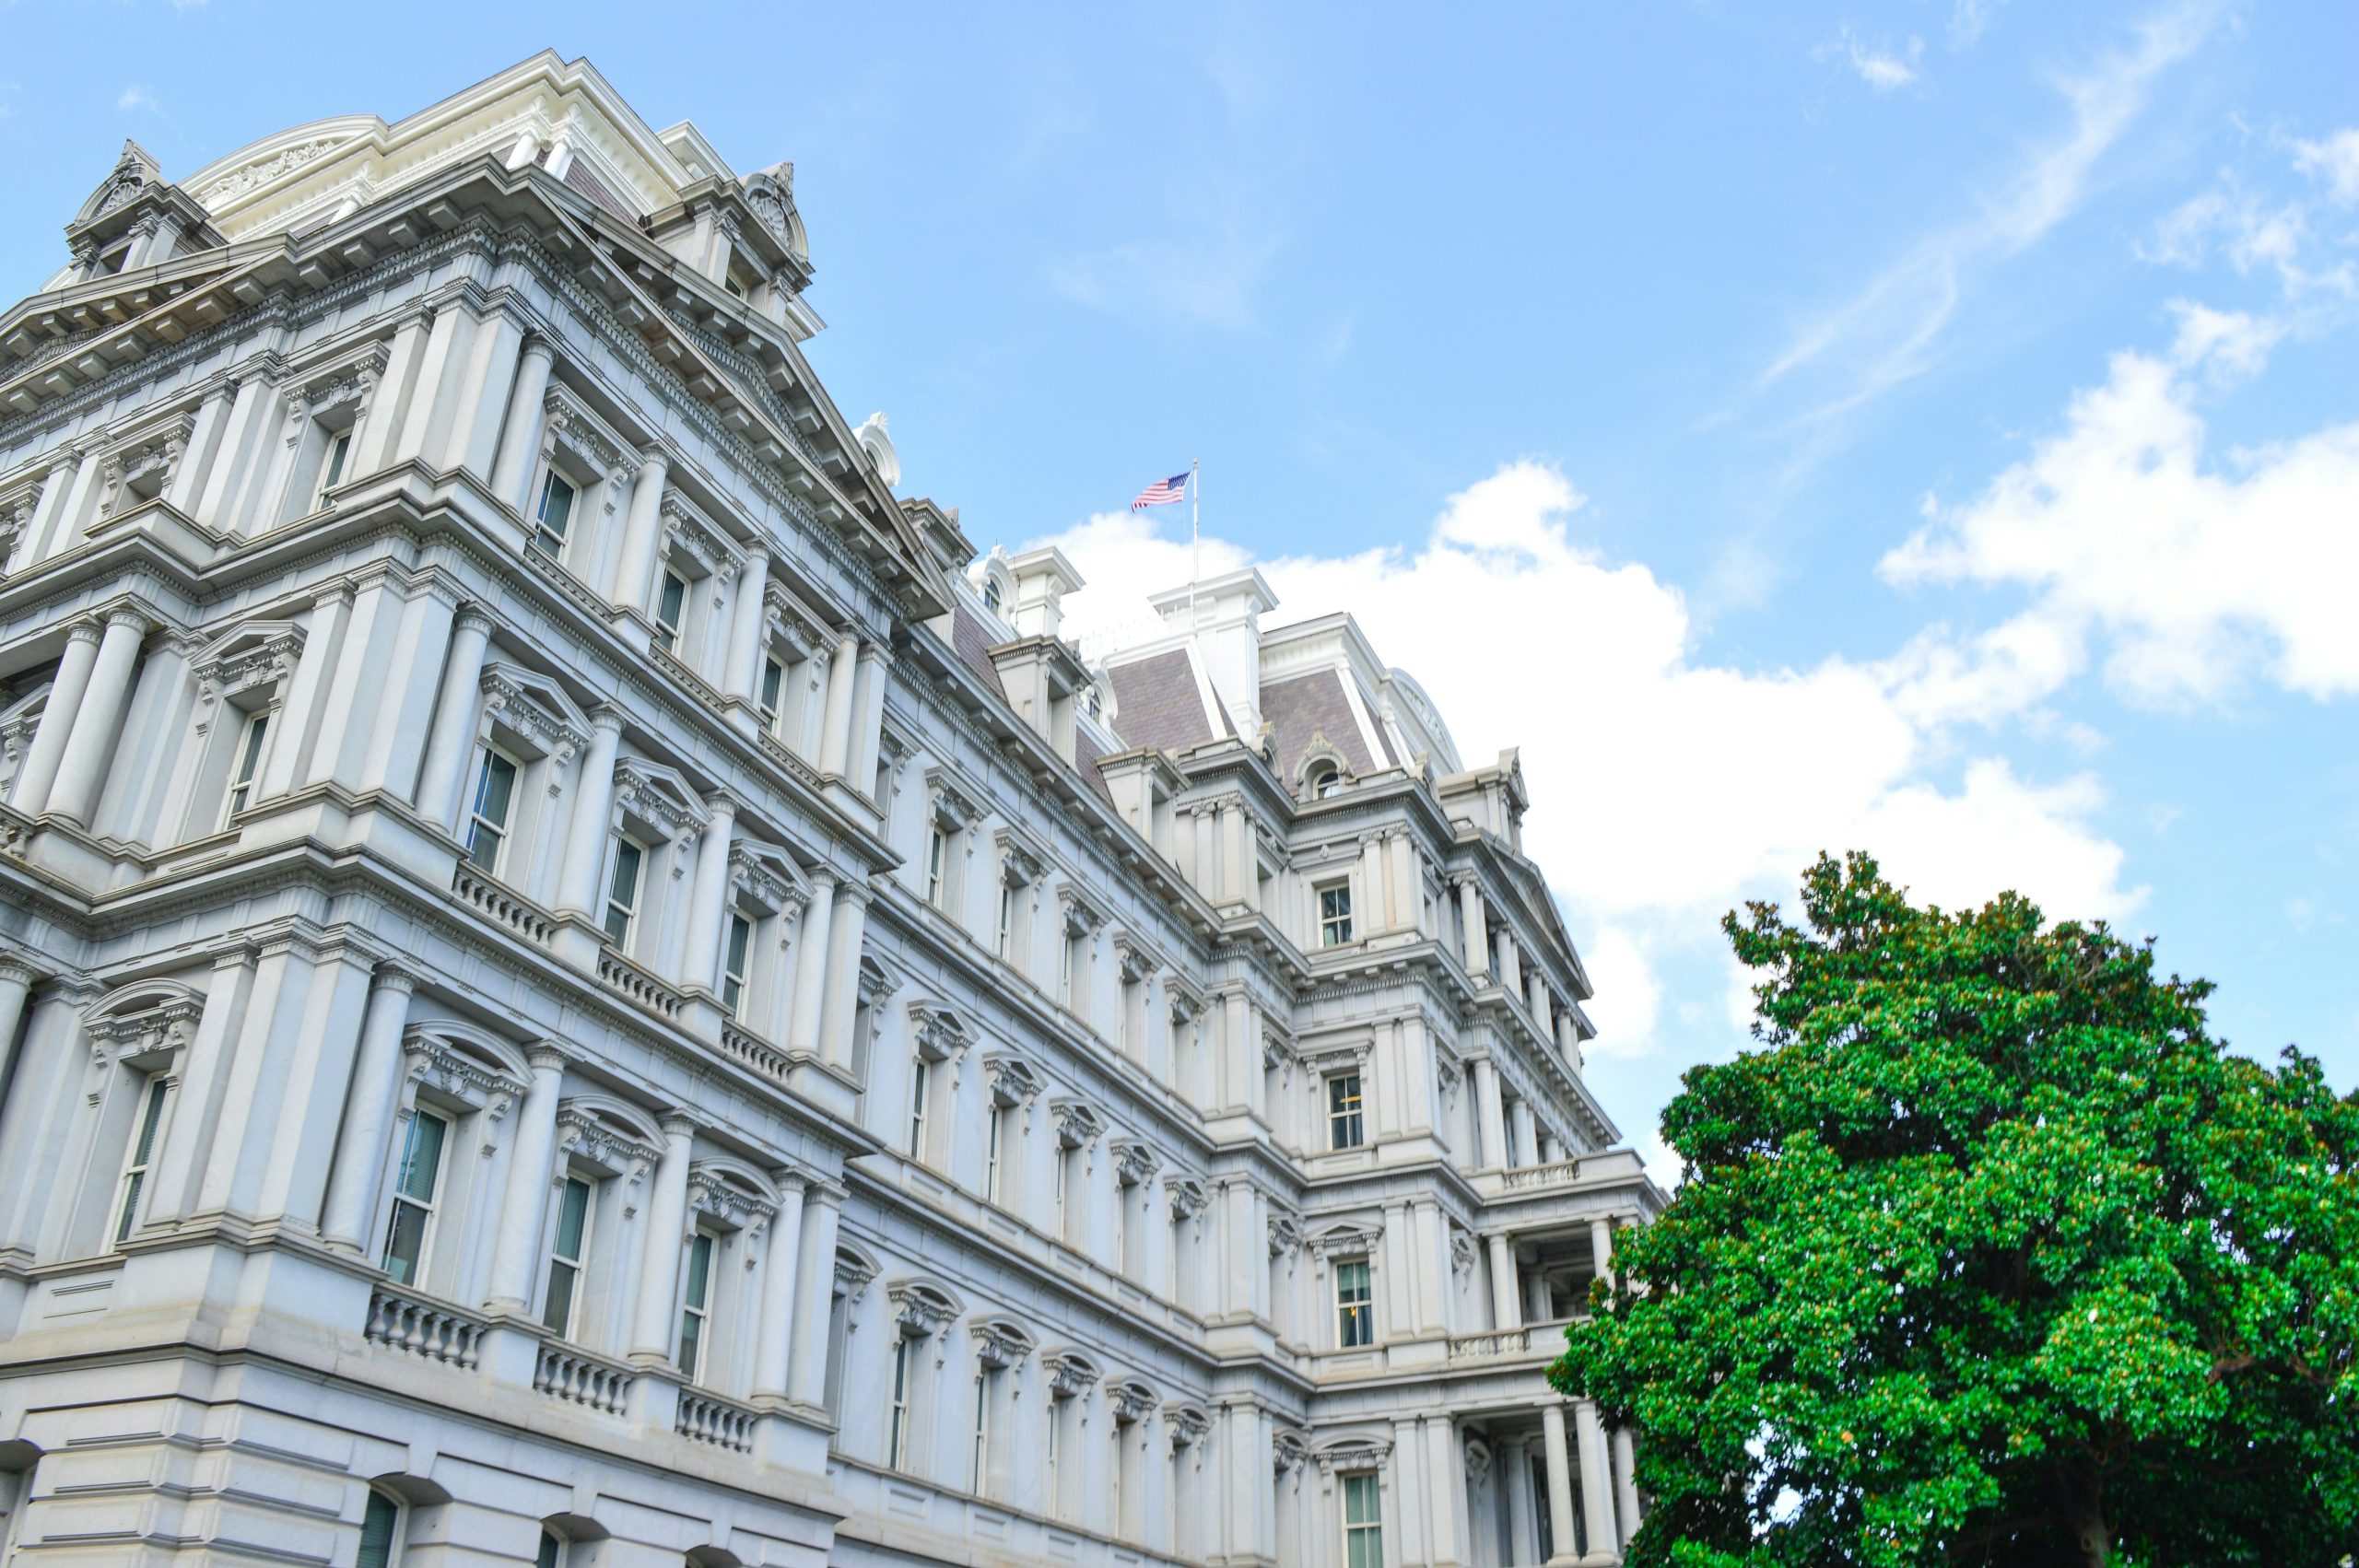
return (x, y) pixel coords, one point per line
(1511, 962)
(429, 397)
(1490, 1117)
(1507, 1311)
(814, 1296)
(520, 440)
(593, 805)
(811, 966)
(868, 716)
(1552, 1152)
(1597, 1483)
(232, 453)
(1527, 1139)
(1477, 950)
(1560, 1483)
(1625, 1484)
(65, 692)
(1569, 1040)
(93, 737)
(744, 673)
(17, 980)
(659, 1266)
(1601, 1247)
(1372, 911)
(711, 896)
(1536, 996)
(636, 565)
(369, 1115)
(841, 1002)
(1446, 1469)
(782, 1276)
(518, 1246)
(835, 743)
(286, 760)
(49, 1078)
(1523, 1534)
(452, 738)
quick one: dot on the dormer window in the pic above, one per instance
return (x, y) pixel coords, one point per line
(554, 521)
(1326, 781)
(991, 595)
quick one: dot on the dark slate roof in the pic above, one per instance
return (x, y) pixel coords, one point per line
(1158, 704)
(1085, 758)
(972, 641)
(578, 175)
(1304, 706)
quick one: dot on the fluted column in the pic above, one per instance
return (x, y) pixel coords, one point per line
(659, 1268)
(1507, 1310)
(806, 1006)
(746, 627)
(65, 692)
(368, 1113)
(593, 805)
(452, 738)
(711, 896)
(1625, 1484)
(1477, 952)
(1490, 1117)
(835, 735)
(839, 1004)
(814, 1296)
(17, 980)
(93, 737)
(1597, 1483)
(518, 1245)
(520, 439)
(1561, 1529)
(642, 532)
(1523, 1532)
(782, 1277)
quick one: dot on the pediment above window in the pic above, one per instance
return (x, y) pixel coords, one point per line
(142, 1019)
(767, 877)
(463, 1066)
(1000, 1344)
(1071, 1374)
(1352, 1239)
(1079, 1123)
(921, 1306)
(573, 428)
(732, 1193)
(257, 653)
(1134, 1163)
(535, 710)
(659, 796)
(604, 1132)
(1131, 1400)
(1012, 1079)
(1187, 1195)
(689, 533)
(936, 1033)
(1356, 1452)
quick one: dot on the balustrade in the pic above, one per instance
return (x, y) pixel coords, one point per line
(709, 1418)
(424, 1329)
(564, 1372)
(501, 906)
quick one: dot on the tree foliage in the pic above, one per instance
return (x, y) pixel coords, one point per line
(1989, 1253)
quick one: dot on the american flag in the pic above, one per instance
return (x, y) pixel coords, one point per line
(1163, 492)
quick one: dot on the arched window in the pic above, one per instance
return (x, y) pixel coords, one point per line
(381, 1532)
(991, 595)
(1326, 781)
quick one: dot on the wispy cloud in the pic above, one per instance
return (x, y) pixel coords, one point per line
(1885, 333)
(1969, 19)
(2334, 159)
(139, 98)
(1882, 67)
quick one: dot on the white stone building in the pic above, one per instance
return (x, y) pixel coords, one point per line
(580, 982)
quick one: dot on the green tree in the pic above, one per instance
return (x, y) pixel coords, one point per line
(1987, 1253)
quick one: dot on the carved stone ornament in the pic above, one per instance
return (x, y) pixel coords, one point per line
(761, 876)
(1185, 1004)
(592, 441)
(522, 706)
(348, 383)
(1187, 1425)
(791, 623)
(1071, 1375)
(1134, 1163)
(1288, 1450)
(1187, 1194)
(1136, 962)
(687, 532)
(433, 1064)
(658, 798)
(582, 1135)
(852, 1276)
(1078, 1123)
(145, 467)
(936, 1033)
(773, 208)
(1461, 1251)
(1000, 1344)
(714, 1195)
(134, 171)
(1286, 1235)
(1011, 1079)
(1349, 1453)
(1478, 1459)
(949, 804)
(165, 1026)
(260, 653)
(1019, 863)
(1081, 918)
(1130, 1402)
(286, 160)
(1354, 1239)
(919, 1309)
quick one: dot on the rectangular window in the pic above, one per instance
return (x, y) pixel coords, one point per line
(622, 892)
(243, 768)
(982, 1430)
(1354, 1306)
(332, 468)
(1064, 1180)
(695, 1308)
(1344, 1122)
(1335, 914)
(143, 1152)
(380, 1523)
(937, 861)
(994, 1132)
(1121, 1217)
(494, 801)
(1362, 1522)
(733, 962)
(773, 687)
(566, 1251)
(897, 1434)
(671, 605)
(918, 1073)
(1004, 938)
(415, 1186)
(556, 515)
(1056, 1436)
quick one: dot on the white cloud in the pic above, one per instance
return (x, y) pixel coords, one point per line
(1879, 65)
(1882, 336)
(137, 98)
(2334, 159)
(1665, 789)
(2199, 571)
(1211, 281)
(1968, 19)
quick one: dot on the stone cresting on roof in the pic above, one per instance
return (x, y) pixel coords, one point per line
(1158, 702)
(1306, 705)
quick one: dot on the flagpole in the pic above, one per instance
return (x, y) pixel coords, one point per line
(1195, 544)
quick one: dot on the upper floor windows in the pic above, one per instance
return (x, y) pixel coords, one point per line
(671, 611)
(418, 1184)
(897, 1430)
(1335, 914)
(141, 1155)
(489, 807)
(773, 692)
(568, 1249)
(244, 765)
(1363, 1521)
(622, 892)
(553, 520)
(1325, 781)
(380, 1531)
(696, 1306)
(736, 961)
(1344, 1126)
(1354, 1305)
(937, 858)
(331, 467)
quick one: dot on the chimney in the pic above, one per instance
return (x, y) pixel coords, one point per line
(1225, 613)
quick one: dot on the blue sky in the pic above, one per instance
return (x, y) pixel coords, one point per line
(1926, 427)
